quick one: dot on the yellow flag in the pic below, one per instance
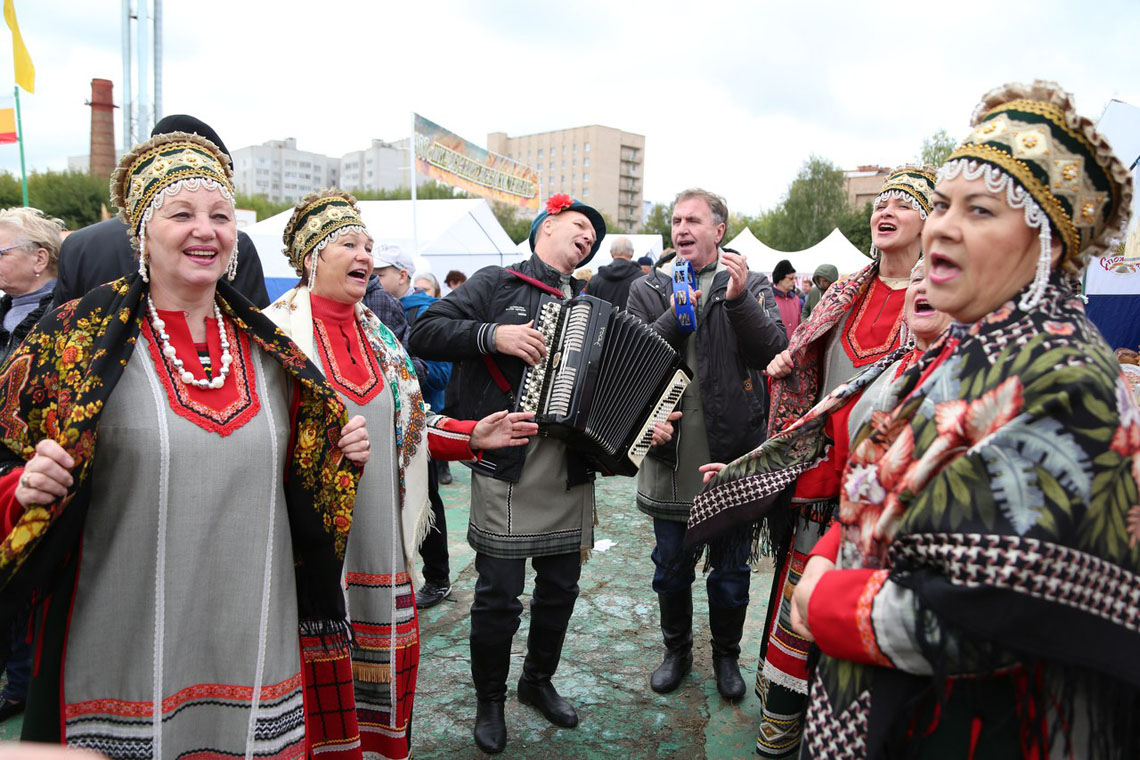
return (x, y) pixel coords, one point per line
(25, 69)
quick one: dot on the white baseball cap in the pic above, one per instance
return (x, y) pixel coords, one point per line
(385, 255)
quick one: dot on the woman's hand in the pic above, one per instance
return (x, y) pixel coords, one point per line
(711, 470)
(502, 429)
(47, 475)
(813, 571)
(354, 441)
(663, 431)
(781, 366)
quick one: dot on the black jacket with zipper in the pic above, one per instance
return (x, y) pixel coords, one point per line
(735, 341)
(458, 329)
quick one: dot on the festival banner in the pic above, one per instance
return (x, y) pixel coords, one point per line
(446, 157)
(8, 120)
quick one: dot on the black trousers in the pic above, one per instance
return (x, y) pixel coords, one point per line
(496, 611)
(433, 550)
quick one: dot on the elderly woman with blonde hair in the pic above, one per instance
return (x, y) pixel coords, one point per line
(29, 247)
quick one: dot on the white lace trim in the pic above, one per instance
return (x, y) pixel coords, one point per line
(329, 238)
(1017, 198)
(192, 184)
(901, 195)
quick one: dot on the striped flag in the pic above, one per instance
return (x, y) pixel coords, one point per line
(25, 69)
(8, 120)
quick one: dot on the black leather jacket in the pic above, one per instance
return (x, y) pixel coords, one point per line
(458, 329)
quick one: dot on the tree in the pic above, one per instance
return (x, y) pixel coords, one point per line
(75, 197)
(261, 205)
(514, 221)
(937, 148)
(856, 227)
(660, 222)
(815, 204)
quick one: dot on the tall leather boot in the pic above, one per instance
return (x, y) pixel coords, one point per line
(543, 651)
(490, 665)
(677, 629)
(727, 626)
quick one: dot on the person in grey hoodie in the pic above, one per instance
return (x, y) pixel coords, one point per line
(822, 279)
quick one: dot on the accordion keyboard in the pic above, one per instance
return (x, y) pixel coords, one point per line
(534, 378)
(665, 405)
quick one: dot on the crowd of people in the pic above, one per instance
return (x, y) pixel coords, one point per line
(938, 452)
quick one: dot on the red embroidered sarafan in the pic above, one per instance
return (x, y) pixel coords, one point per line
(349, 363)
(874, 327)
(222, 410)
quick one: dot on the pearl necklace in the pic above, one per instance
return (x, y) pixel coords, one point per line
(168, 350)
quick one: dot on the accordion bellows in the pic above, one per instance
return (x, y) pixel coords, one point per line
(606, 380)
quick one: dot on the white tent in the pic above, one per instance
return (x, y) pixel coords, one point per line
(834, 249)
(643, 245)
(457, 233)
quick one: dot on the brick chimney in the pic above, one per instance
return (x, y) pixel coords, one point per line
(102, 128)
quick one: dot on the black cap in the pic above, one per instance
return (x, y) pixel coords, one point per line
(180, 122)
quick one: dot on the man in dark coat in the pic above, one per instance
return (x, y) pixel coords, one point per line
(102, 252)
(724, 416)
(535, 502)
(612, 281)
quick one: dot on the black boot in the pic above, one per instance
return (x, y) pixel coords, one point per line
(727, 626)
(543, 651)
(490, 665)
(677, 628)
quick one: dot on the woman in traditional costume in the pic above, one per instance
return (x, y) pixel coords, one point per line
(177, 493)
(858, 322)
(814, 447)
(980, 594)
(330, 248)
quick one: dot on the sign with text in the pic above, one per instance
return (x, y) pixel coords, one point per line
(446, 157)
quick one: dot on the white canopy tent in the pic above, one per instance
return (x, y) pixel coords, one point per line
(834, 249)
(643, 245)
(458, 234)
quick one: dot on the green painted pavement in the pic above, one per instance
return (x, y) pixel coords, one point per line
(613, 645)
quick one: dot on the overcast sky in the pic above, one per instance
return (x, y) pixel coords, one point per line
(732, 96)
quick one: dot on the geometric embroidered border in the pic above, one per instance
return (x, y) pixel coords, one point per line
(743, 491)
(1041, 569)
(830, 738)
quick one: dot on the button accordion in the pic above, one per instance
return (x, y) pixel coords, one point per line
(606, 380)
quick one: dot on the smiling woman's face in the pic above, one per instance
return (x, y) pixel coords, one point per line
(924, 321)
(345, 263)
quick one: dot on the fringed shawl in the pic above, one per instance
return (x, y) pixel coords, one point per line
(794, 395)
(293, 314)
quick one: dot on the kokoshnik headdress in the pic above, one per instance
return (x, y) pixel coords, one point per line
(319, 219)
(911, 184)
(1031, 146)
(162, 167)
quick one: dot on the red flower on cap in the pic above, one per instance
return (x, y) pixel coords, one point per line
(557, 203)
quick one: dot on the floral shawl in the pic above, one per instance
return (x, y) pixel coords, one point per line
(293, 314)
(55, 385)
(794, 395)
(995, 485)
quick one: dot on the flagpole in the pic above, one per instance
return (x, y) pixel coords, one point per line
(20, 135)
(412, 175)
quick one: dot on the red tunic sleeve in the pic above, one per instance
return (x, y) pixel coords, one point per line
(839, 615)
(828, 544)
(450, 440)
(10, 509)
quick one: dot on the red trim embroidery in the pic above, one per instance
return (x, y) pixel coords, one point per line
(362, 392)
(194, 404)
(863, 355)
